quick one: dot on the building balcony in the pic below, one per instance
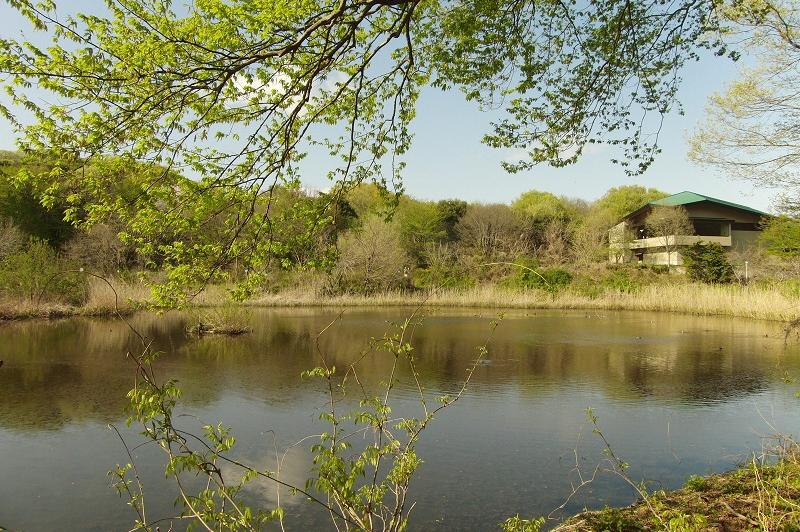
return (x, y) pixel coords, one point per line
(679, 240)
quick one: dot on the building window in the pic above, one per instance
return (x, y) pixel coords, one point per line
(711, 228)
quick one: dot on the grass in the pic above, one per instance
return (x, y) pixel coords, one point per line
(763, 494)
(767, 303)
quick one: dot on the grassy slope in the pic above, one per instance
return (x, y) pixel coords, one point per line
(753, 497)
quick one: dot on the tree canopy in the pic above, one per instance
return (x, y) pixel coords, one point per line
(542, 207)
(752, 129)
(233, 93)
(623, 200)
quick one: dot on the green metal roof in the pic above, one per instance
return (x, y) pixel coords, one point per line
(686, 197)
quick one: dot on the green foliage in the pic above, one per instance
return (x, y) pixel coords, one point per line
(20, 202)
(527, 274)
(697, 483)
(37, 274)
(294, 75)
(449, 213)
(687, 523)
(518, 524)
(420, 227)
(621, 280)
(444, 269)
(616, 520)
(623, 200)
(543, 207)
(707, 263)
(781, 237)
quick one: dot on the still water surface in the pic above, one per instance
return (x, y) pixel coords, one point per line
(676, 395)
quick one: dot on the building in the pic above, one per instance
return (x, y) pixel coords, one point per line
(729, 224)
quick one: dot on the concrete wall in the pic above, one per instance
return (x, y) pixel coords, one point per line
(661, 258)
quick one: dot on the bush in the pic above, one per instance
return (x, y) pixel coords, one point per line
(371, 259)
(37, 274)
(707, 263)
(551, 279)
(620, 281)
(444, 269)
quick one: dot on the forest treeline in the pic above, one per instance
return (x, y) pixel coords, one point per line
(364, 241)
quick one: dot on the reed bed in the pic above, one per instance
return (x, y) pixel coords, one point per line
(758, 302)
(731, 300)
(100, 301)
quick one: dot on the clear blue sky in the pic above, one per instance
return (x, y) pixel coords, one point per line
(448, 159)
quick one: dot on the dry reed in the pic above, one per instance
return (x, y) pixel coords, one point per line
(700, 299)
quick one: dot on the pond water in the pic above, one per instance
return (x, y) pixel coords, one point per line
(675, 396)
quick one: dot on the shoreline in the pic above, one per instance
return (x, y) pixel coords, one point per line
(753, 496)
(690, 299)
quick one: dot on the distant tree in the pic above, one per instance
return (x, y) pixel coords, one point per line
(707, 263)
(420, 225)
(11, 237)
(752, 128)
(590, 237)
(98, 249)
(36, 273)
(556, 242)
(781, 237)
(494, 232)
(543, 207)
(450, 212)
(666, 223)
(20, 202)
(623, 200)
(371, 258)
(369, 198)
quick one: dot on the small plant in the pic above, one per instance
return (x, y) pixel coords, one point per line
(697, 483)
(518, 524)
(362, 473)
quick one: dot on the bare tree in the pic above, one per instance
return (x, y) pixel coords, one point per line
(667, 223)
(494, 232)
(371, 258)
(11, 237)
(556, 242)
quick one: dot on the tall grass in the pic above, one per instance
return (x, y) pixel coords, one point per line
(768, 303)
(100, 300)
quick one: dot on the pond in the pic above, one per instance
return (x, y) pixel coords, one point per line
(675, 395)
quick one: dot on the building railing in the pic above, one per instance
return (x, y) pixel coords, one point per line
(679, 240)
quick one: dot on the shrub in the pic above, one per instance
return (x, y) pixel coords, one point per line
(371, 259)
(707, 263)
(621, 281)
(551, 279)
(37, 274)
(444, 269)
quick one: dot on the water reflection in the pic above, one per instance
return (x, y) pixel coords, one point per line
(664, 385)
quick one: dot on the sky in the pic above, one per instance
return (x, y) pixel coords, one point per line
(448, 160)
